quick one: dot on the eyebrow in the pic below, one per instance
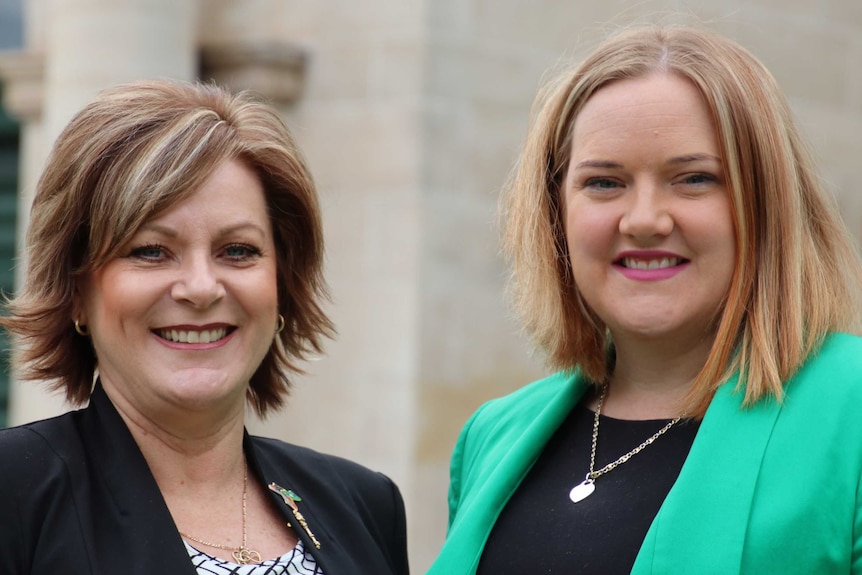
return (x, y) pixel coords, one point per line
(597, 164)
(694, 158)
(607, 164)
(240, 226)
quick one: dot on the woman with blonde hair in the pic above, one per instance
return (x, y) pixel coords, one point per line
(174, 280)
(676, 259)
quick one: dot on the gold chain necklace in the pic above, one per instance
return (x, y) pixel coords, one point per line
(242, 554)
(586, 487)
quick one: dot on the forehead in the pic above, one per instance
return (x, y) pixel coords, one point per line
(231, 193)
(659, 106)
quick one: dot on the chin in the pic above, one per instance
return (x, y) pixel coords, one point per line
(653, 331)
(207, 387)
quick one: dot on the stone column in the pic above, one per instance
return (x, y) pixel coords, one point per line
(84, 46)
(93, 44)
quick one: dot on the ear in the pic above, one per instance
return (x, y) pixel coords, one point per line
(79, 310)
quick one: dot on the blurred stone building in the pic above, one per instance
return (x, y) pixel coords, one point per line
(410, 113)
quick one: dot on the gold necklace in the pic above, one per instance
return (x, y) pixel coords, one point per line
(586, 487)
(242, 554)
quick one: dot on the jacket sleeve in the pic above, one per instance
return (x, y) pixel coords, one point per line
(13, 543)
(41, 524)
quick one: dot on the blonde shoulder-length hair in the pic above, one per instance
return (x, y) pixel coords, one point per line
(797, 274)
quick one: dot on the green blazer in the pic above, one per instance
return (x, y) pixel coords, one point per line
(771, 489)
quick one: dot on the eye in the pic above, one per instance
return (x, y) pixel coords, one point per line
(150, 252)
(699, 179)
(241, 252)
(601, 184)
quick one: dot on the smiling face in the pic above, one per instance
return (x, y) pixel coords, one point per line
(186, 312)
(647, 214)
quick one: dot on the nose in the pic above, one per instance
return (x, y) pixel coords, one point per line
(646, 213)
(198, 282)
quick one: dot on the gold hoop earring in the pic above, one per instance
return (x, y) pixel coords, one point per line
(279, 325)
(81, 329)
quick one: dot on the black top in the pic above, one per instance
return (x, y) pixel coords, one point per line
(78, 497)
(540, 530)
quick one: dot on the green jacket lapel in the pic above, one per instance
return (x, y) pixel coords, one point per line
(701, 527)
(499, 463)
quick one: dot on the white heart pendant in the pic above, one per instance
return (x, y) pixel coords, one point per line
(582, 490)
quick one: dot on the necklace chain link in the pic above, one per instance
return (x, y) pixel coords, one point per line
(586, 487)
(593, 475)
(242, 554)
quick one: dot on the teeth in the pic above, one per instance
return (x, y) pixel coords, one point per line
(636, 264)
(203, 336)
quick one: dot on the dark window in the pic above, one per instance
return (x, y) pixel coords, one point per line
(9, 142)
(11, 24)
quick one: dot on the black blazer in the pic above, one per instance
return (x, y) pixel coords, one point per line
(77, 497)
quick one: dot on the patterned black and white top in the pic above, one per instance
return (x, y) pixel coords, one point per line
(294, 562)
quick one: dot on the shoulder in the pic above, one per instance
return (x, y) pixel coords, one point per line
(831, 379)
(524, 405)
(354, 502)
(532, 397)
(837, 365)
(33, 445)
(341, 482)
(23, 452)
(34, 481)
(840, 351)
(525, 417)
(38, 459)
(282, 453)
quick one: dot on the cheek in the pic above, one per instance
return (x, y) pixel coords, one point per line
(257, 294)
(714, 242)
(111, 297)
(99, 302)
(589, 239)
(590, 233)
(728, 265)
(722, 237)
(269, 289)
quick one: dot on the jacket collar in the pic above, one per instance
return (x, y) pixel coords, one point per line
(146, 536)
(329, 502)
(289, 488)
(701, 526)
(521, 447)
(725, 457)
(134, 496)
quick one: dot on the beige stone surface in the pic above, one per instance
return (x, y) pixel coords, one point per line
(411, 114)
(92, 44)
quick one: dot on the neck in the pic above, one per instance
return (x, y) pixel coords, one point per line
(200, 468)
(650, 379)
(185, 450)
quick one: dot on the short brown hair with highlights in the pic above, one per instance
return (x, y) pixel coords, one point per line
(797, 274)
(132, 153)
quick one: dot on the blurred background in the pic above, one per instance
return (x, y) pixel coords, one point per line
(410, 113)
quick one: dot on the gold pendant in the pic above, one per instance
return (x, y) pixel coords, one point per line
(245, 556)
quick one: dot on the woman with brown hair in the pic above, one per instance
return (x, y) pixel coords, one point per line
(675, 257)
(174, 278)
